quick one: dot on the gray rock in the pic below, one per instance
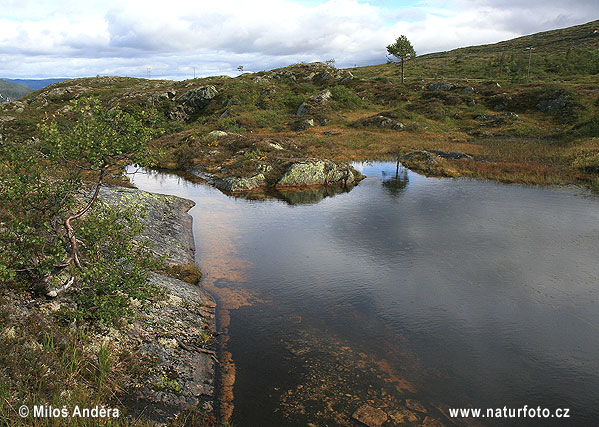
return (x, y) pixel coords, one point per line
(200, 97)
(468, 90)
(379, 121)
(493, 117)
(167, 225)
(553, 105)
(317, 100)
(452, 155)
(234, 184)
(302, 124)
(316, 172)
(440, 86)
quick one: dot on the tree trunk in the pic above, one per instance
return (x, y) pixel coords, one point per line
(402, 70)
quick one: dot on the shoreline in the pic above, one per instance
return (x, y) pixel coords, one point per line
(177, 334)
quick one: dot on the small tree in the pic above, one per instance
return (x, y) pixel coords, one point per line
(54, 232)
(402, 49)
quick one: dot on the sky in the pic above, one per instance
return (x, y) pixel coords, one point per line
(173, 39)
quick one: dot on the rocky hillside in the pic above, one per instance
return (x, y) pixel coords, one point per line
(258, 129)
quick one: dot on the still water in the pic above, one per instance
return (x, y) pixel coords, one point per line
(408, 294)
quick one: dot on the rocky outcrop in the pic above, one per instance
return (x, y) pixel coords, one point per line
(316, 172)
(314, 102)
(552, 105)
(175, 335)
(379, 121)
(167, 225)
(198, 98)
(439, 86)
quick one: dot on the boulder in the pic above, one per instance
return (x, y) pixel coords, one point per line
(317, 100)
(200, 97)
(218, 133)
(440, 86)
(302, 124)
(234, 184)
(379, 121)
(316, 172)
(369, 416)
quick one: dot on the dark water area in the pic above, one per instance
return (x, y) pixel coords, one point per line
(413, 295)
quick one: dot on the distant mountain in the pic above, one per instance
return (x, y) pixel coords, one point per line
(9, 91)
(35, 84)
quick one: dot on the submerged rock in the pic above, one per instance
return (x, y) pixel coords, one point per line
(370, 416)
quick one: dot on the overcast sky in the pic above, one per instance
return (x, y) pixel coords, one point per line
(77, 38)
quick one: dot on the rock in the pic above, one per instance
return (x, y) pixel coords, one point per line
(379, 121)
(317, 100)
(348, 76)
(370, 416)
(316, 172)
(467, 90)
(440, 86)
(167, 225)
(234, 184)
(415, 406)
(302, 124)
(402, 416)
(218, 133)
(500, 101)
(322, 77)
(493, 117)
(451, 155)
(553, 105)
(199, 98)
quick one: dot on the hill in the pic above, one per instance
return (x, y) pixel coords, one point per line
(10, 91)
(449, 119)
(570, 54)
(35, 84)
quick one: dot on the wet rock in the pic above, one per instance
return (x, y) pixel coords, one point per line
(432, 422)
(414, 405)
(370, 416)
(402, 416)
(553, 105)
(439, 86)
(379, 121)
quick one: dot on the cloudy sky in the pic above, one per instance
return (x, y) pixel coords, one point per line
(75, 38)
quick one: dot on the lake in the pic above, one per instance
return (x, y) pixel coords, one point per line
(408, 294)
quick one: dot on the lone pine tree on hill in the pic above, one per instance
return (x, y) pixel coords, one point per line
(402, 49)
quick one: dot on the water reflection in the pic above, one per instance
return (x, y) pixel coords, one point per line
(434, 294)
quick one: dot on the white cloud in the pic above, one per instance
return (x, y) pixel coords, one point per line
(73, 38)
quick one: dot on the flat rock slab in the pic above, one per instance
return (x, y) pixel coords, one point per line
(167, 224)
(370, 416)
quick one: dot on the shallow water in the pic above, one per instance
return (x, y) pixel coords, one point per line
(446, 293)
